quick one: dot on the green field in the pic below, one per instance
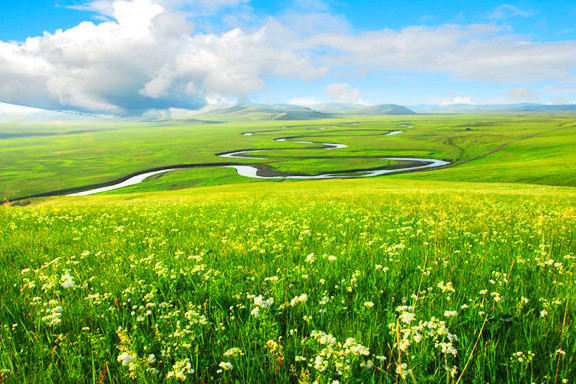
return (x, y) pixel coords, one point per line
(535, 149)
(459, 275)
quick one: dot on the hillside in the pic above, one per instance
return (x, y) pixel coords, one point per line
(493, 108)
(337, 107)
(385, 109)
(266, 112)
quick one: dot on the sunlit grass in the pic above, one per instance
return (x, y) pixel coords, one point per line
(38, 164)
(349, 281)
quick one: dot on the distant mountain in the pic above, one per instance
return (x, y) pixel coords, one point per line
(493, 108)
(337, 107)
(385, 109)
(266, 112)
(545, 108)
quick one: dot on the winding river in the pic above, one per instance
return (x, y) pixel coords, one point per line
(256, 172)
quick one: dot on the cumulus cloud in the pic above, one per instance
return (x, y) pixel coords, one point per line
(146, 57)
(458, 100)
(106, 7)
(344, 93)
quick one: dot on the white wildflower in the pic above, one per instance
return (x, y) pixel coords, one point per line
(226, 366)
(125, 358)
(233, 352)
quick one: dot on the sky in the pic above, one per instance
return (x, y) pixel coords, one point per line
(133, 57)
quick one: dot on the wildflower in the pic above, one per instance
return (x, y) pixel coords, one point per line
(125, 358)
(310, 258)
(226, 366)
(368, 364)
(233, 352)
(55, 316)
(369, 304)
(446, 287)
(180, 369)
(403, 370)
(522, 357)
(407, 317)
(67, 281)
(320, 364)
(496, 296)
(272, 345)
(452, 371)
(450, 313)
(299, 299)
(151, 358)
(543, 313)
(260, 302)
(448, 348)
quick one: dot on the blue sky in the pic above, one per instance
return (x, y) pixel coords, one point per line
(550, 20)
(130, 56)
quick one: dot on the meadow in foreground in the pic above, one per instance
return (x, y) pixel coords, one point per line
(326, 282)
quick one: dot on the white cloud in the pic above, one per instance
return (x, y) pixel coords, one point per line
(521, 94)
(106, 7)
(11, 109)
(145, 58)
(474, 52)
(507, 11)
(458, 100)
(344, 93)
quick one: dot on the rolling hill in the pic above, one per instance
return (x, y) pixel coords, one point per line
(493, 108)
(385, 109)
(266, 112)
(337, 107)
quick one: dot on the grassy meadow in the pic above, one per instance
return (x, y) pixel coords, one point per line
(538, 149)
(350, 281)
(459, 275)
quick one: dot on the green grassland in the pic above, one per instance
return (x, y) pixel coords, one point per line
(372, 280)
(464, 274)
(532, 148)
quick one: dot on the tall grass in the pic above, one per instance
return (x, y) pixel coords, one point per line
(303, 286)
